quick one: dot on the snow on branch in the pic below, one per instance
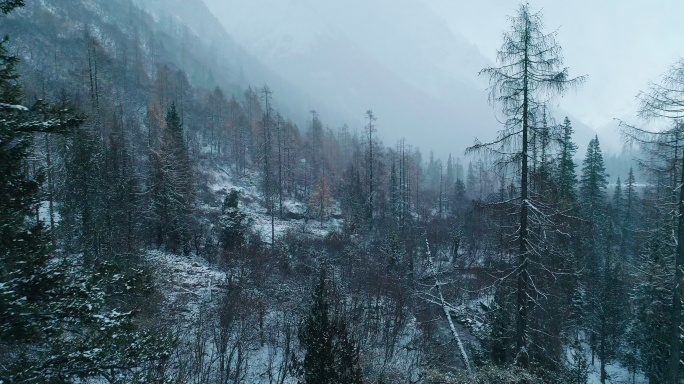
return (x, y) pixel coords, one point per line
(15, 107)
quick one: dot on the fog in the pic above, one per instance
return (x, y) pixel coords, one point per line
(620, 45)
(415, 62)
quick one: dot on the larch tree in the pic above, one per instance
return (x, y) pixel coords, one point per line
(217, 105)
(317, 156)
(529, 74)
(239, 126)
(267, 149)
(321, 200)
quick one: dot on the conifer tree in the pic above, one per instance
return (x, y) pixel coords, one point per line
(566, 178)
(370, 129)
(172, 186)
(664, 149)
(449, 180)
(617, 206)
(593, 181)
(321, 200)
(605, 279)
(331, 356)
(649, 333)
(394, 193)
(232, 223)
(530, 71)
(471, 182)
(631, 217)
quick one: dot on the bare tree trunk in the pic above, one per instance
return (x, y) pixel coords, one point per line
(50, 185)
(522, 357)
(371, 118)
(280, 168)
(447, 311)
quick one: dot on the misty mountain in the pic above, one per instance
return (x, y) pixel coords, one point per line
(155, 32)
(356, 56)
(223, 55)
(398, 58)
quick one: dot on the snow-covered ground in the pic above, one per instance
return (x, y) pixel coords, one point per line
(185, 281)
(224, 180)
(192, 287)
(44, 213)
(616, 374)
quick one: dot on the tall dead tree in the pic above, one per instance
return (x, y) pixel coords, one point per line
(370, 128)
(530, 72)
(268, 187)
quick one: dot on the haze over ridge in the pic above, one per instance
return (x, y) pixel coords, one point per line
(401, 58)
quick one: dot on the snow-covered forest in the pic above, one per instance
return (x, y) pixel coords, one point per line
(173, 211)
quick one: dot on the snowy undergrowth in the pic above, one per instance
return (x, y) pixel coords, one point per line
(223, 179)
(617, 373)
(185, 281)
(193, 292)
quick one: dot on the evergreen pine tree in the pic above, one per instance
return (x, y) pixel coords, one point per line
(593, 181)
(617, 214)
(631, 198)
(459, 199)
(566, 177)
(449, 180)
(631, 217)
(331, 356)
(604, 276)
(652, 301)
(232, 223)
(471, 182)
(172, 186)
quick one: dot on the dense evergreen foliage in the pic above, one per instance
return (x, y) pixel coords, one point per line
(330, 354)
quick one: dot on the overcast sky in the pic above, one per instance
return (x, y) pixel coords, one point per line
(619, 44)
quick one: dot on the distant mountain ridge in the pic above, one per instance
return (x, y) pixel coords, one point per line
(320, 46)
(226, 54)
(397, 57)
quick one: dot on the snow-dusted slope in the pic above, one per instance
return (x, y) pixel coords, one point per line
(222, 180)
